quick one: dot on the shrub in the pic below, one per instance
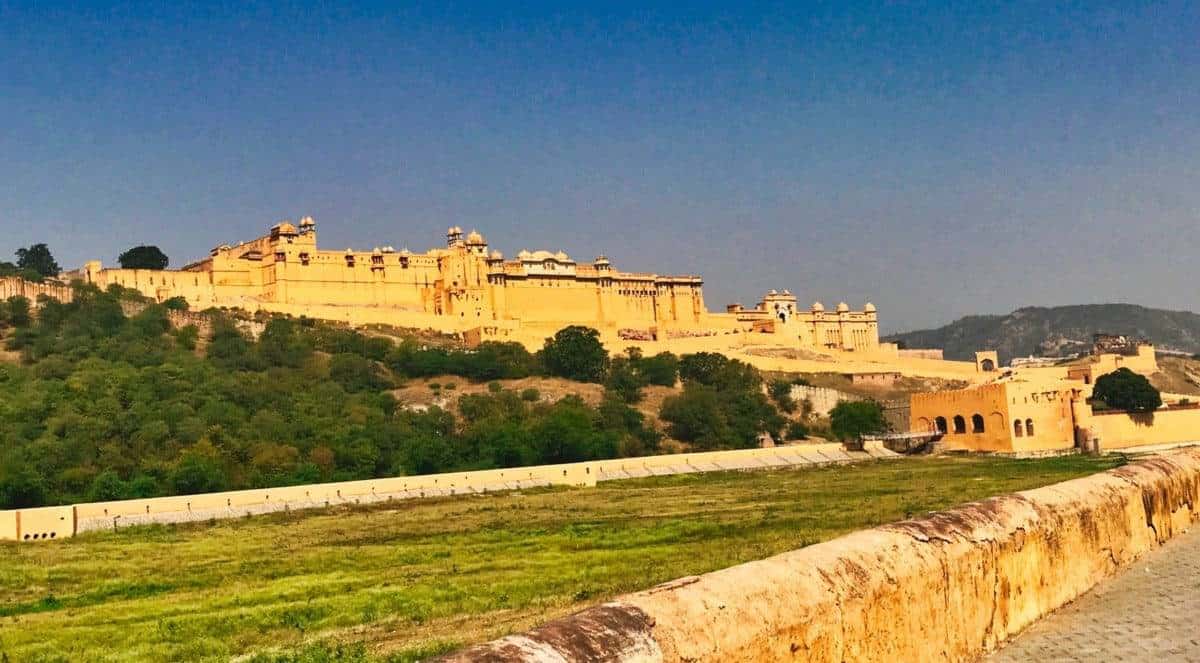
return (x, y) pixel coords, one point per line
(849, 420)
(797, 430)
(781, 393)
(662, 369)
(495, 387)
(575, 353)
(530, 395)
(1125, 390)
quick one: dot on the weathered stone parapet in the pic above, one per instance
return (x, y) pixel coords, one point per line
(945, 587)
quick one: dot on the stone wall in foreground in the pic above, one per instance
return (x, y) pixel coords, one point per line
(945, 587)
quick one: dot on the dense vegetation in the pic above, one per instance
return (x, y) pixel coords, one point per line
(108, 406)
(1056, 330)
(1125, 390)
(412, 580)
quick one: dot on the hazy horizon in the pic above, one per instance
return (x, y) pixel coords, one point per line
(937, 159)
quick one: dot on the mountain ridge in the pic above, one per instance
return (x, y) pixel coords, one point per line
(1056, 330)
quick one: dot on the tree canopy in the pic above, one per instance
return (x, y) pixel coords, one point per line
(37, 258)
(575, 353)
(1125, 390)
(143, 257)
(849, 420)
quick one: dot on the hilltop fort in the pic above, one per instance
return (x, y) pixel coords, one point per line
(468, 287)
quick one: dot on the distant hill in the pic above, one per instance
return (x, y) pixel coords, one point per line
(1056, 330)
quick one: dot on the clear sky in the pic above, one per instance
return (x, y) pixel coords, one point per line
(937, 158)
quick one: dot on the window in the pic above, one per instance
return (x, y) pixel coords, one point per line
(940, 422)
(1018, 428)
(303, 258)
(960, 424)
(349, 261)
(280, 257)
(1029, 427)
(977, 423)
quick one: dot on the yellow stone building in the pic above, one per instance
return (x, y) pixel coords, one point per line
(468, 286)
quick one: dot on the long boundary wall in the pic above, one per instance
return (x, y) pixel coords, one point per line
(63, 521)
(946, 587)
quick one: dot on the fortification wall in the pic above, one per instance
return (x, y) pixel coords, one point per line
(15, 286)
(1120, 430)
(823, 399)
(946, 587)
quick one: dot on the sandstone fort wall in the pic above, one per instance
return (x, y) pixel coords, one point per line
(946, 587)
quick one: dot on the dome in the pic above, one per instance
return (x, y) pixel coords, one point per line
(496, 255)
(307, 222)
(561, 257)
(474, 238)
(601, 260)
(285, 228)
(405, 252)
(773, 291)
(524, 255)
(376, 251)
(457, 230)
(869, 308)
(786, 291)
(843, 307)
(818, 307)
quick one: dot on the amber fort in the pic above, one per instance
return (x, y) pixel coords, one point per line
(469, 287)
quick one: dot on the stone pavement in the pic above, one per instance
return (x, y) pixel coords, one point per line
(1150, 611)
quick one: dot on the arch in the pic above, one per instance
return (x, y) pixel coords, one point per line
(987, 365)
(977, 423)
(1029, 427)
(940, 423)
(924, 424)
(1018, 428)
(960, 424)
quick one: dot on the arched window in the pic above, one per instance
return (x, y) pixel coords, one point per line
(940, 422)
(977, 423)
(1018, 429)
(960, 424)
(1029, 427)
(987, 365)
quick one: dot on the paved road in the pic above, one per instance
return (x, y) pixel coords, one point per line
(1149, 612)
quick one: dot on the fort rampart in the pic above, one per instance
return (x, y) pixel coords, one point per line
(945, 587)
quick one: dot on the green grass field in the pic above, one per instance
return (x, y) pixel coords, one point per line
(404, 581)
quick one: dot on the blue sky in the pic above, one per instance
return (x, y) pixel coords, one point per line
(939, 159)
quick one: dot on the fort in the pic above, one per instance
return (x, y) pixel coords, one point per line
(468, 287)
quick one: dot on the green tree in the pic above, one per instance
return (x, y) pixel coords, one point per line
(197, 473)
(575, 352)
(662, 369)
(849, 420)
(1125, 390)
(38, 259)
(21, 487)
(143, 257)
(696, 416)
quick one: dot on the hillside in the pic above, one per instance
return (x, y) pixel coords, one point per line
(1056, 330)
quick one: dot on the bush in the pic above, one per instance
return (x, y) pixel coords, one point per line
(797, 430)
(781, 393)
(662, 369)
(575, 353)
(530, 395)
(849, 420)
(176, 304)
(1125, 390)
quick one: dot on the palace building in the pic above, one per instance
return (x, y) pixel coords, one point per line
(468, 285)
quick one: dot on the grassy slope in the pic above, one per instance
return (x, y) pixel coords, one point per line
(425, 576)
